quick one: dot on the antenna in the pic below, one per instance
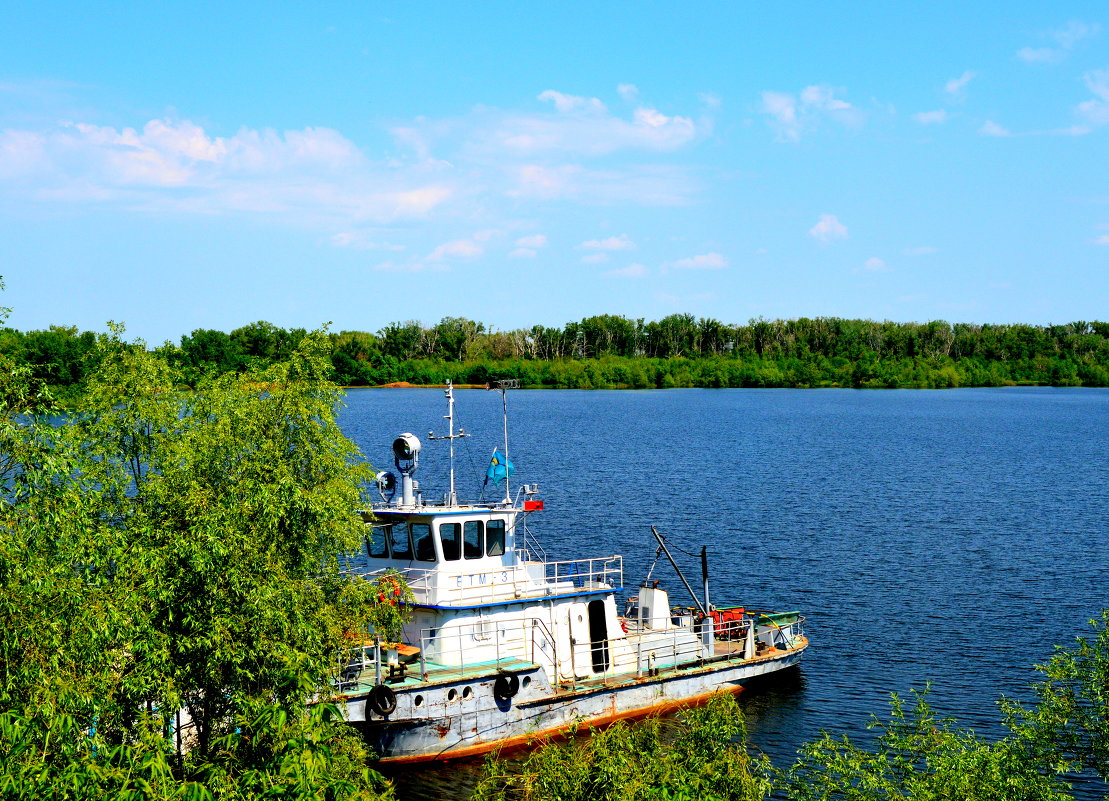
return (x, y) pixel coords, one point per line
(504, 385)
(452, 499)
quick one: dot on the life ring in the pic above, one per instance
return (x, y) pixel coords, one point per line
(382, 699)
(506, 686)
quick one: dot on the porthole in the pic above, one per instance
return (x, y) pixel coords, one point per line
(468, 693)
(526, 681)
(418, 701)
(452, 694)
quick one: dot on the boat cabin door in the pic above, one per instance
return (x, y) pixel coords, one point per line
(580, 643)
(598, 636)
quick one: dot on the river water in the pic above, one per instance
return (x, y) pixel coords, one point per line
(949, 537)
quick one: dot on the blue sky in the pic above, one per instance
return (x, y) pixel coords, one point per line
(205, 165)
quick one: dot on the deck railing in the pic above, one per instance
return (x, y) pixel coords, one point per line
(445, 585)
(487, 642)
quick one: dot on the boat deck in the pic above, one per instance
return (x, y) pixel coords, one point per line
(363, 681)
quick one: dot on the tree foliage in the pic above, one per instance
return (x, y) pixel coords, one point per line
(916, 754)
(171, 607)
(700, 755)
(611, 351)
(1068, 726)
(921, 757)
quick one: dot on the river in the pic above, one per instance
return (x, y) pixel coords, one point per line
(950, 537)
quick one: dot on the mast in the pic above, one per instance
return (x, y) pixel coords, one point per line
(504, 385)
(452, 499)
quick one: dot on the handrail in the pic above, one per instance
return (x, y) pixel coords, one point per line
(654, 650)
(522, 580)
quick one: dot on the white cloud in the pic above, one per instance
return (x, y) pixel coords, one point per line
(527, 247)
(783, 108)
(628, 91)
(471, 166)
(1102, 240)
(357, 240)
(937, 117)
(566, 103)
(1074, 32)
(533, 241)
(790, 114)
(485, 235)
(22, 153)
(612, 243)
(954, 88)
(631, 271)
(705, 261)
(641, 184)
(828, 228)
(710, 100)
(458, 249)
(175, 165)
(1096, 110)
(875, 265)
(991, 128)
(582, 127)
(822, 97)
(1038, 55)
(594, 258)
(1065, 38)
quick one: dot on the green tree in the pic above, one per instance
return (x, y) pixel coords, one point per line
(164, 550)
(1068, 726)
(921, 757)
(700, 755)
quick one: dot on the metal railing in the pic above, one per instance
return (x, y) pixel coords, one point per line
(520, 580)
(531, 550)
(489, 641)
(485, 641)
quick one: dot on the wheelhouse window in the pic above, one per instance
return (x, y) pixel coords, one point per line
(494, 538)
(422, 545)
(399, 544)
(450, 537)
(377, 542)
(473, 539)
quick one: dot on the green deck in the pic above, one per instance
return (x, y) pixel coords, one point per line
(436, 674)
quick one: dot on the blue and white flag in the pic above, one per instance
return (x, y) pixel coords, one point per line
(499, 468)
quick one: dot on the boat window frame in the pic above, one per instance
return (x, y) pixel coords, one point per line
(430, 539)
(386, 535)
(473, 550)
(490, 526)
(407, 553)
(457, 545)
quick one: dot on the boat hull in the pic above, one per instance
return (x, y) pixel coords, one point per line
(480, 723)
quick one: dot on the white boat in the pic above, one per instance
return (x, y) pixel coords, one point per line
(505, 646)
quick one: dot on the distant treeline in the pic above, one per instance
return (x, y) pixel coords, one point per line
(611, 351)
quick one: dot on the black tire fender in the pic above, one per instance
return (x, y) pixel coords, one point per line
(382, 699)
(506, 686)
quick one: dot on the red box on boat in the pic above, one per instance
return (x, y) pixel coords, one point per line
(727, 621)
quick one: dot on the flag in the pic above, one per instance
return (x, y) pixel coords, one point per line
(499, 468)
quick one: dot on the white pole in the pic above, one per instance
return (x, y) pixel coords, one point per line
(504, 402)
(453, 500)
